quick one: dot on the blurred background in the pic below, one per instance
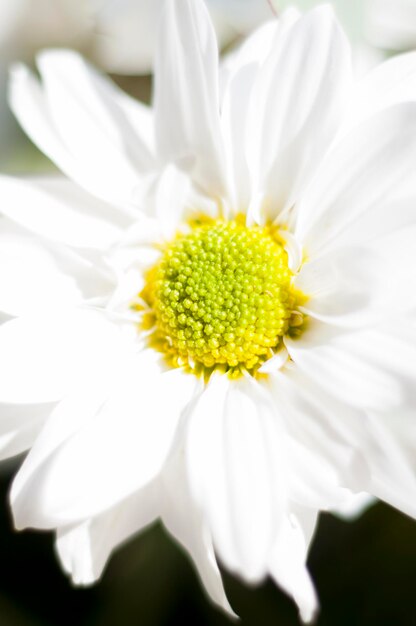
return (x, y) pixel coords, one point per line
(365, 572)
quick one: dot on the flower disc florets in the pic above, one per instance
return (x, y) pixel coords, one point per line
(220, 296)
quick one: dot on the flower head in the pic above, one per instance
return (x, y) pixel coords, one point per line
(214, 324)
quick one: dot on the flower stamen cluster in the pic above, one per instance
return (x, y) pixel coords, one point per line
(220, 296)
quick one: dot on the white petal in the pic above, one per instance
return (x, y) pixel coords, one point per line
(144, 231)
(349, 286)
(318, 458)
(297, 105)
(288, 562)
(393, 481)
(366, 450)
(235, 465)
(108, 174)
(185, 522)
(253, 50)
(43, 355)
(186, 93)
(28, 103)
(365, 172)
(20, 425)
(85, 548)
(36, 274)
(171, 200)
(393, 437)
(234, 115)
(294, 250)
(30, 278)
(58, 210)
(117, 443)
(389, 83)
(275, 363)
(390, 346)
(354, 507)
(140, 117)
(238, 74)
(87, 117)
(331, 359)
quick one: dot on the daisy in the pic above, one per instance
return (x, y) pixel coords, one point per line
(211, 318)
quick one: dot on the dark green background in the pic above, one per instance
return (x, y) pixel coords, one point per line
(365, 573)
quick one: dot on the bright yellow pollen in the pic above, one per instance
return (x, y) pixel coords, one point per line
(220, 296)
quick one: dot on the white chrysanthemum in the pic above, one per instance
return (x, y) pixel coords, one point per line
(214, 315)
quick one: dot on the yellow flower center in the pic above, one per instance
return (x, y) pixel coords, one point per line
(220, 296)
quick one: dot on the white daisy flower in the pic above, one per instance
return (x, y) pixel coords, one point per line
(213, 315)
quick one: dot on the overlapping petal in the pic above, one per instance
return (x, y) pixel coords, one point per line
(130, 427)
(85, 548)
(102, 152)
(334, 361)
(356, 443)
(288, 562)
(365, 173)
(350, 286)
(36, 274)
(187, 118)
(389, 83)
(58, 210)
(288, 134)
(185, 521)
(43, 355)
(20, 425)
(235, 469)
(239, 73)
